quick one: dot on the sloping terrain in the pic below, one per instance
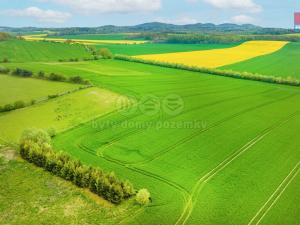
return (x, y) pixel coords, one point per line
(219, 57)
(284, 63)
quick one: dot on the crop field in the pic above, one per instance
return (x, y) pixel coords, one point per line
(284, 63)
(210, 149)
(219, 57)
(13, 89)
(196, 162)
(61, 113)
(118, 36)
(24, 51)
(82, 41)
(152, 48)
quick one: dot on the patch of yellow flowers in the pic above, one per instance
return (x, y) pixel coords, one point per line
(219, 57)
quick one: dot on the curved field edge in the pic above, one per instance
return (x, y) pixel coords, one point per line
(284, 63)
(153, 48)
(219, 57)
(60, 113)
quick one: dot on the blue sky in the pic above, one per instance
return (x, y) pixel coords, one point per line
(64, 13)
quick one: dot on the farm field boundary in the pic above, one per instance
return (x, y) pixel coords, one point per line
(219, 57)
(219, 72)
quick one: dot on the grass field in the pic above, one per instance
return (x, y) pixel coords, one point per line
(284, 62)
(194, 173)
(14, 89)
(86, 41)
(220, 161)
(211, 150)
(40, 198)
(61, 113)
(25, 51)
(117, 36)
(144, 49)
(219, 57)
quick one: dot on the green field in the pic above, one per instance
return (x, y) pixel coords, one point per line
(144, 49)
(210, 149)
(220, 161)
(25, 51)
(60, 113)
(14, 89)
(31, 196)
(118, 36)
(284, 63)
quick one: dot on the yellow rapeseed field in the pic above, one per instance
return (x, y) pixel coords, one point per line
(219, 57)
(86, 42)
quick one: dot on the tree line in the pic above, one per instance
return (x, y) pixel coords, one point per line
(42, 75)
(35, 147)
(226, 73)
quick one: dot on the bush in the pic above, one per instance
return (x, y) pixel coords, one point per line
(76, 79)
(8, 107)
(143, 197)
(5, 60)
(52, 96)
(19, 104)
(56, 77)
(41, 74)
(22, 72)
(35, 147)
(105, 53)
(4, 70)
(51, 131)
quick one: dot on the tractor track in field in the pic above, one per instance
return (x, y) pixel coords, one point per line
(262, 212)
(195, 134)
(183, 191)
(188, 209)
(134, 131)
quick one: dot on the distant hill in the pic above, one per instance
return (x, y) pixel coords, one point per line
(156, 27)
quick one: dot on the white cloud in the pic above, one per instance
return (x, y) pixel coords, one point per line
(245, 5)
(111, 6)
(242, 19)
(183, 20)
(44, 16)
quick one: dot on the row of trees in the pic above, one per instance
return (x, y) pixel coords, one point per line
(16, 105)
(225, 38)
(35, 147)
(41, 75)
(227, 73)
(213, 38)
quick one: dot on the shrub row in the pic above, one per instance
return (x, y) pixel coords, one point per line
(77, 60)
(22, 104)
(226, 73)
(41, 75)
(35, 147)
(16, 105)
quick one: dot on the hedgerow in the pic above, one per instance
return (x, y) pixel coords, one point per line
(35, 147)
(22, 104)
(41, 75)
(226, 73)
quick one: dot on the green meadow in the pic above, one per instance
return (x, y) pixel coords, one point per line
(284, 63)
(14, 89)
(117, 36)
(27, 51)
(210, 149)
(144, 49)
(60, 113)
